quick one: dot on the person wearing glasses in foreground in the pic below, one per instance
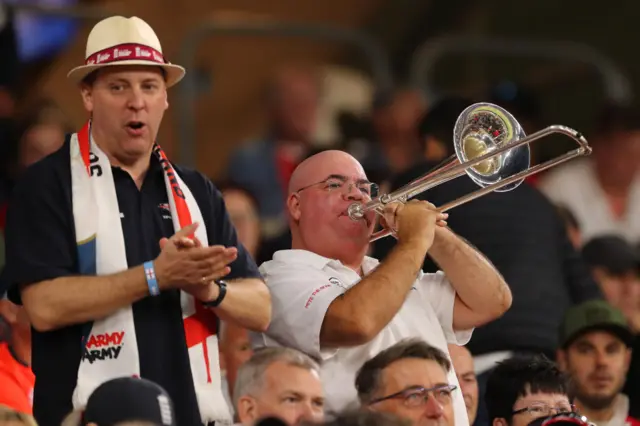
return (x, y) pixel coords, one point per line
(525, 388)
(409, 379)
(334, 303)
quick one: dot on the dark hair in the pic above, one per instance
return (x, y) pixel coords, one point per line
(439, 121)
(520, 376)
(364, 418)
(618, 118)
(227, 185)
(369, 376)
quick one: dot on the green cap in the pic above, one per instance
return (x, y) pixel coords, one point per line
(594, 315)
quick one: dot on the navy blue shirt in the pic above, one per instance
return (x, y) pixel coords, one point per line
(41, 245)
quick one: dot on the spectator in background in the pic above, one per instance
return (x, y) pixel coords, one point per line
(522, 102)
(242, 207)
(282, 383)
(462, 362)
(235, 344)
(615, 265)
(396, 144)
(125, 401)
(409, 379)
(265, 166)
(595, 350)
(522, 234)
(16, 378)
(603, 190)
(41, 132)
(37, 133)
(525, 388)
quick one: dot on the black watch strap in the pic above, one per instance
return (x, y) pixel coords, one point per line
(223, 292)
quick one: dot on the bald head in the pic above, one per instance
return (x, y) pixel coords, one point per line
(318, 216)
(328, 162)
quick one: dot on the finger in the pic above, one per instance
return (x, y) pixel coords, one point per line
(442, 223)
(216, 275)
(184, 243)
(163, 243)
(390, 213)
(224, 261)
(205, 253)
(443, 216)
(221, 261)
(185, 232)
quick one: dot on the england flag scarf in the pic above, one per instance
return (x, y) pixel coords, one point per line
(110, 347)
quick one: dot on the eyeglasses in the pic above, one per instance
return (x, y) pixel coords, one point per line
(339, 183)
(540, 409)
(418, 396)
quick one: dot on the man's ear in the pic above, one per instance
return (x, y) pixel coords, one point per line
(86, 91)
(293, 205)
(247, 410)
(500, 422)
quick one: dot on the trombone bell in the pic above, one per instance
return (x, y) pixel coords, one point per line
(482, 129)
(491, 148)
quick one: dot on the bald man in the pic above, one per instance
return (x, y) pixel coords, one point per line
(462, 362)
(342, 307)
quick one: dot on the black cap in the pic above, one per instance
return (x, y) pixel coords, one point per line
(129, 399)
(612, 253)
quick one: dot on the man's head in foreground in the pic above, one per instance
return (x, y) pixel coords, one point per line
(409, 379)
(279, 382)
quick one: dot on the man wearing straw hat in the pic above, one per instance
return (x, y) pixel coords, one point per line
(117, 255)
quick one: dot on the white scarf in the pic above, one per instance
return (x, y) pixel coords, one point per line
(111, 348)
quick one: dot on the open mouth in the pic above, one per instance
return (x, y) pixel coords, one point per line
(135, 125)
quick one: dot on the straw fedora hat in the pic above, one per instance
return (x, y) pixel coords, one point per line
(118, 41)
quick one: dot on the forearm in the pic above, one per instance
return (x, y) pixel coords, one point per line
(366, 308)
(478, 284)
(64, 301)
(247, 304)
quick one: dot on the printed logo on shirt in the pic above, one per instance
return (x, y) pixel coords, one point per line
(165, 209)
(103, 346)
(314, 294)
(336, 282)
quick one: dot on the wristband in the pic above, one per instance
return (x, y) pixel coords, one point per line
(223, 292)
(150, 275)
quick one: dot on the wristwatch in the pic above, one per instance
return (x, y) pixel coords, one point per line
(223, 292)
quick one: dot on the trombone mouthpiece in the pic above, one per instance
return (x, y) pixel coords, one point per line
(355, 211)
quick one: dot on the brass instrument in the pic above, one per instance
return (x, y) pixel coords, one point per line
(491, 148)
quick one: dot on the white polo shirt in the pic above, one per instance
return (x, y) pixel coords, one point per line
(303, 285)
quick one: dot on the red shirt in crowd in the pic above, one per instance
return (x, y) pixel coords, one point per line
(17, 382)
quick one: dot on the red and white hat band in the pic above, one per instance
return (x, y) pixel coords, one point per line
(126, 52)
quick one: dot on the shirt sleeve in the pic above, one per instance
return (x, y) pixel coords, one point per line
(300, 298)
(40, 238)
(221, 231)
(436, 290)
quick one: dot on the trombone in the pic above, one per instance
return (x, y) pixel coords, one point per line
(491, 148)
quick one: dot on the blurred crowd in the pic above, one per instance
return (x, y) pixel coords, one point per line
(566, 242)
